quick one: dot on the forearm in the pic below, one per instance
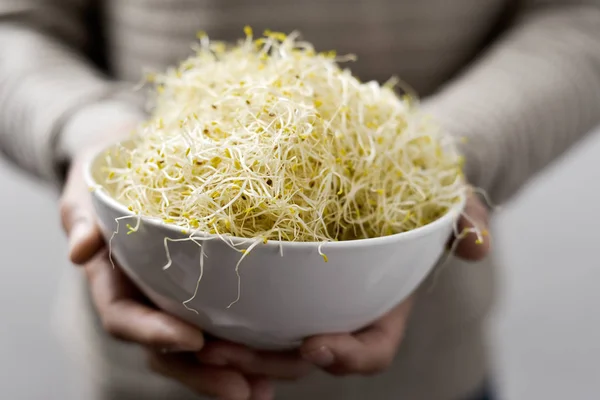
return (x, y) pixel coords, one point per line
(45, 83)
(528, 99)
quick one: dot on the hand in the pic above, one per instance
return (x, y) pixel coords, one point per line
(220, 369)
(171, 343)
(476, 244)
(367, 352)
(373, 349)
(120, 305)
(230, 371)
(127, 315)
(77, 213)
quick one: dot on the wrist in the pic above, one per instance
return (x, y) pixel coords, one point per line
(94, 125)
(469, 142)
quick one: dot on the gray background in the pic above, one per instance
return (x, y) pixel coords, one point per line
(546, 332)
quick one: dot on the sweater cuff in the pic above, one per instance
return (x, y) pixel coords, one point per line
(471, 144)
(98, 123)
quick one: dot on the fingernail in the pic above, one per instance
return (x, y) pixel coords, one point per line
(322, 357)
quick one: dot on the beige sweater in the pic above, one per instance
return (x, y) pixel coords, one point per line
(520, 79)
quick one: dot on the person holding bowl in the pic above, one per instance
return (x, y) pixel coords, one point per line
(519, 79)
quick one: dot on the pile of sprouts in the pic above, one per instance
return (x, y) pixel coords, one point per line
(268, 139)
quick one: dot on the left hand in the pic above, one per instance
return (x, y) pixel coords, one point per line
(373, 349)
(366, 352)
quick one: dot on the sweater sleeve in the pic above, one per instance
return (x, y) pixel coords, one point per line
(531, 95)
(46, 81)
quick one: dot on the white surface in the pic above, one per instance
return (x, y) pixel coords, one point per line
(281, 298)
(547, 331)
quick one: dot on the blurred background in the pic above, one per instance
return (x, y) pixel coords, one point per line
(545, 333)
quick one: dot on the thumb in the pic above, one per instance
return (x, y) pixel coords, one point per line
(78, 218)
(473, 242)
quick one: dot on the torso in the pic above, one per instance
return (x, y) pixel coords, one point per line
(423, 42)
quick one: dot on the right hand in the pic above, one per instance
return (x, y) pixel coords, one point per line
(171, 343)
(221, 370)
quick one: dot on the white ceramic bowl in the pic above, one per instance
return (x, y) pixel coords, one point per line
(283, 298)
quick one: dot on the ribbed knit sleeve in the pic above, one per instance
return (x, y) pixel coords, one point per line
(528, 98)
(45, 80)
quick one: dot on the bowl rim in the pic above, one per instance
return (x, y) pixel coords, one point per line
(424, 230)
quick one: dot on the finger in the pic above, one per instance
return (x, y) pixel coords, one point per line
(367, 352)
(77, 217)
(286, 366)
(126, 318)
(261, 389)
(216, 382)
(475, 244)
